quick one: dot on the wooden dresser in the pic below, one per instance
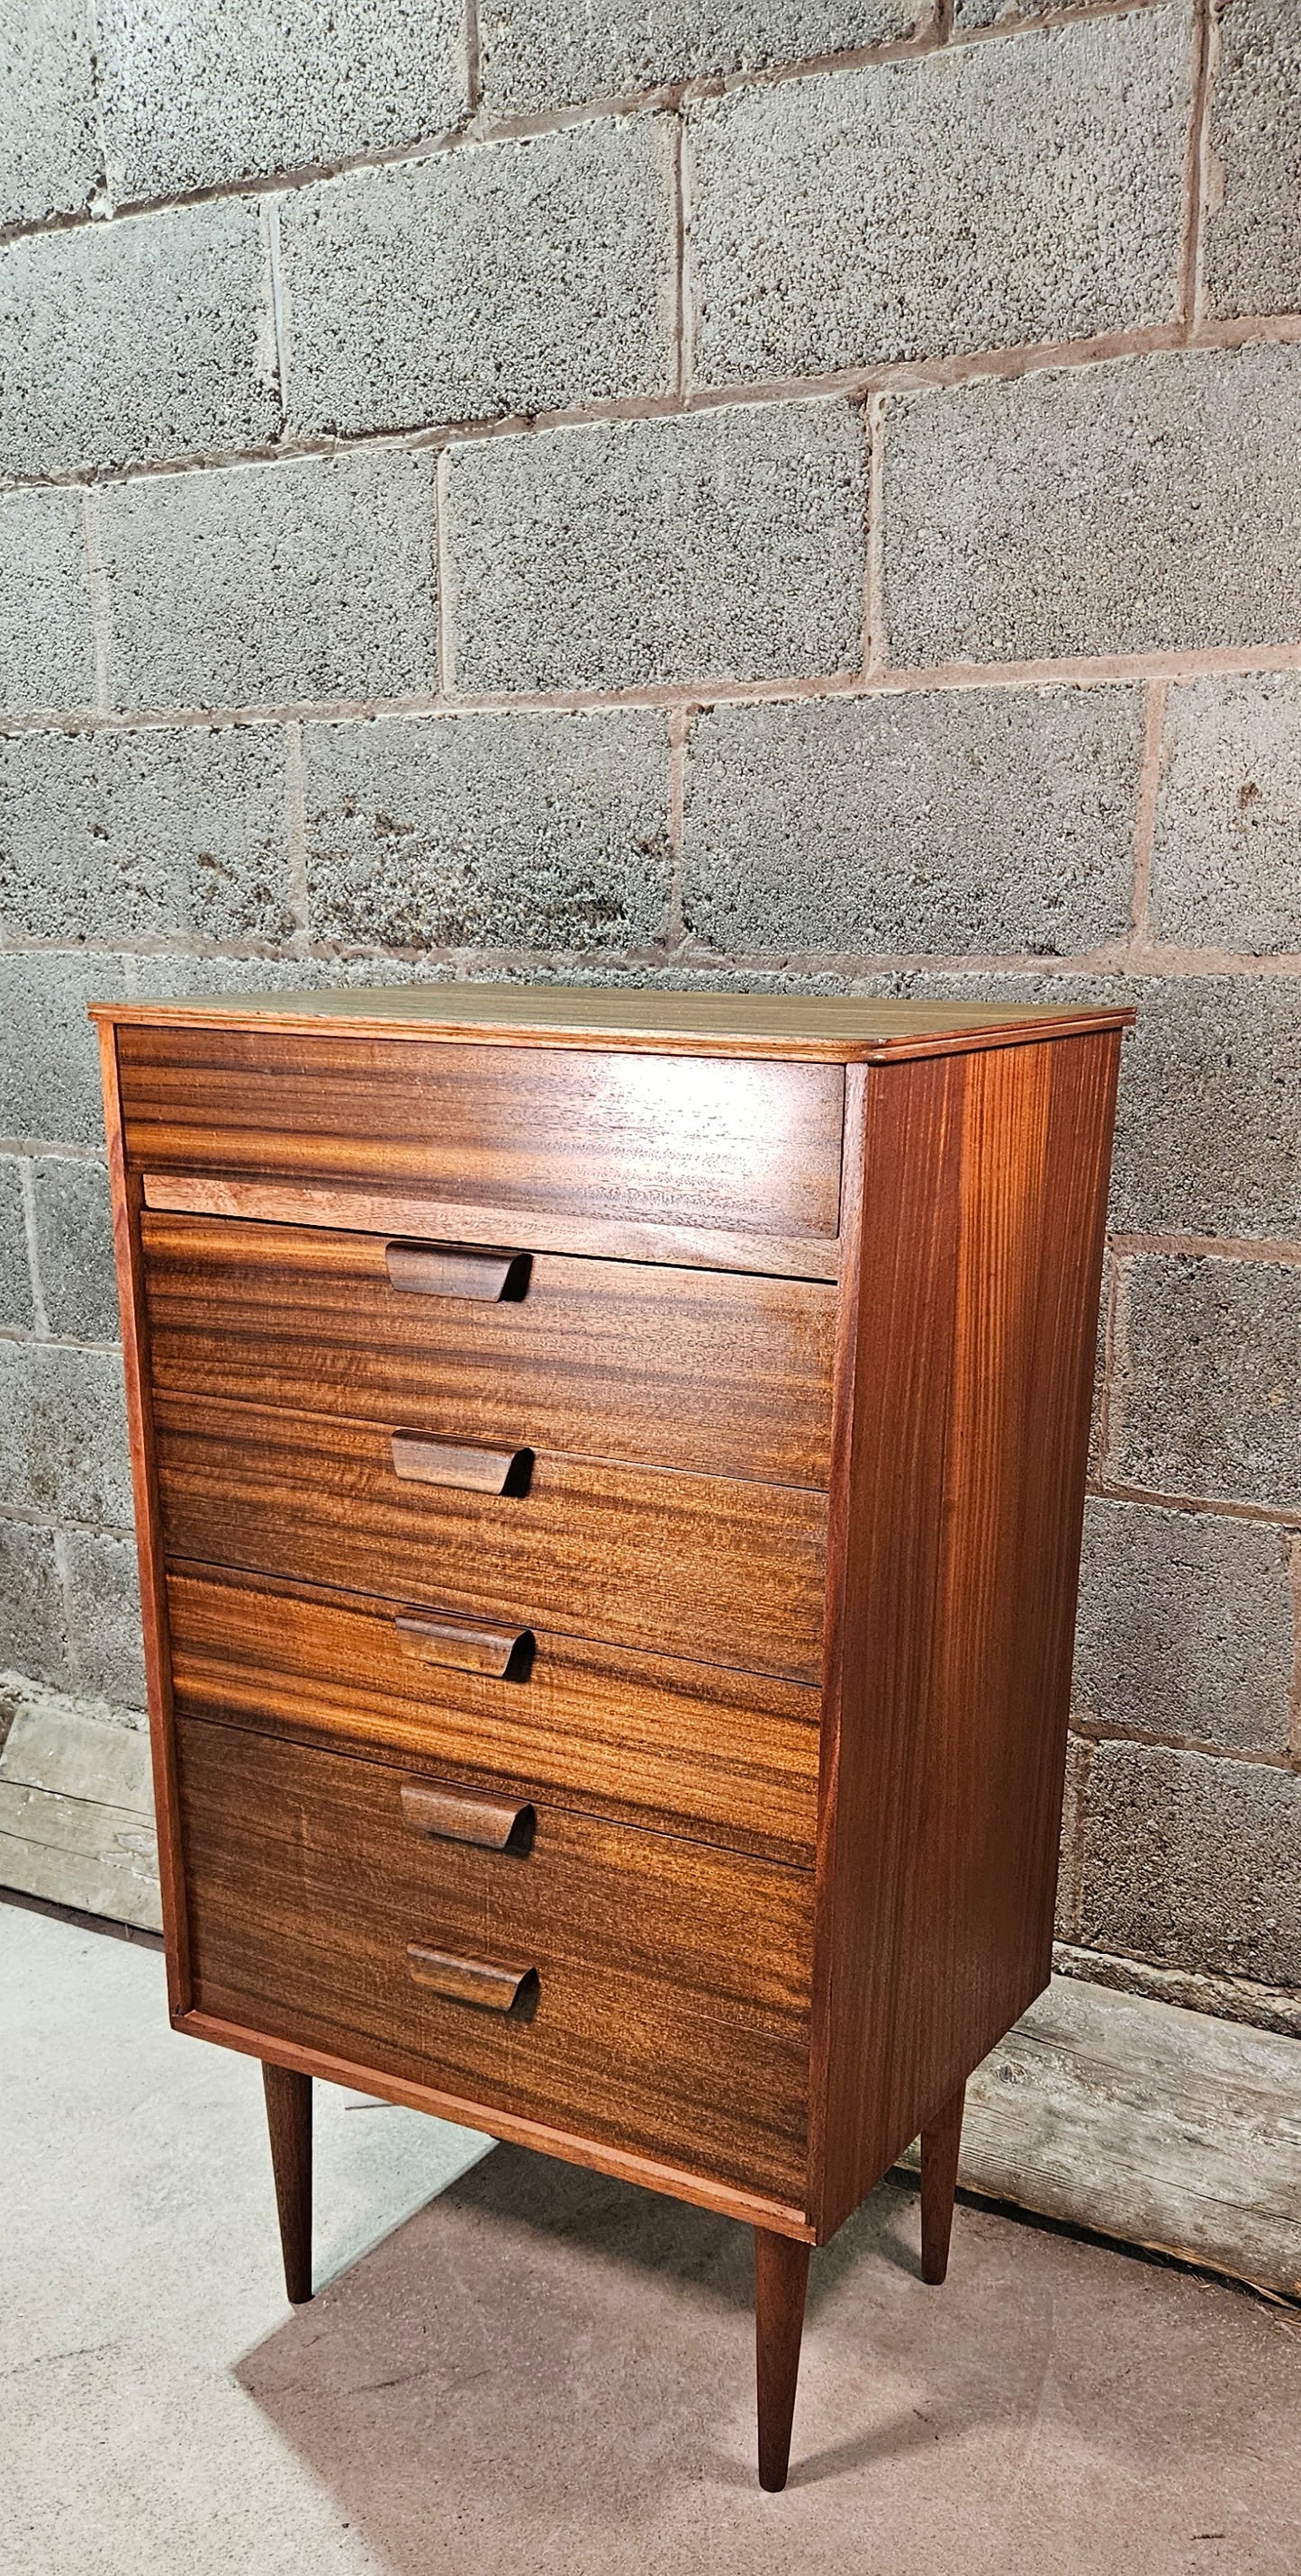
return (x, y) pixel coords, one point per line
(609, 1474)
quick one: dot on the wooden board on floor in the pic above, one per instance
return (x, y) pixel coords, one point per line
(1148, 2123)
(76, 1813)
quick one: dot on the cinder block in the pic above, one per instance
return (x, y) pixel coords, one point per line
(47, 658)
(823, 224)
(1138, 506)
(270, 584)
(74, 1248)
(1228, 817)
(164, 978)
(1066, 1918)
(1251, 254)
(49, 152)
(511, 830)
(607, 977)
(104, 1641)
(177, 978)
(987, 984)
(968, 820)
(32, 1628)
(1212, 1070)
(1209, 1397)
(517, 277)
(991, 13)
(1185, 1625)
(49, 1055)
(1100, 1361)
(119, 836)
(63, 1447)
(16, 1314)
(547, 53)
(1194, 1860)
(132, 341)
(180, 978)
(728, 544)
(210, 92)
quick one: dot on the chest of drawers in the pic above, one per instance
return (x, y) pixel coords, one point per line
(609, 1474)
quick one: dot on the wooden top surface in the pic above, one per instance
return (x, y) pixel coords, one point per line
(826, 1027)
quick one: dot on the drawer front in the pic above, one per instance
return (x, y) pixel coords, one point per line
(725, 1372)
(662, 1987)
(715, 1571)
(671, 1140)
(689, 1748)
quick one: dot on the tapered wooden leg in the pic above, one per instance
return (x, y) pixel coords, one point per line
(289, 2120)
(781, 2273)
(940, 2145)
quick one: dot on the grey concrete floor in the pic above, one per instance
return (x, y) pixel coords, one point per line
(516, 2366)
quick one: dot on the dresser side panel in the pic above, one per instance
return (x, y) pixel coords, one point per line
(962, 1474)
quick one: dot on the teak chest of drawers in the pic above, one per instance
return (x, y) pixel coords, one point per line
(609, 1475)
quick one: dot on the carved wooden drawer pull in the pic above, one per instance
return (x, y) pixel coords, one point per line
(471, 1981)
(494, 1822)
(479, 1471)
(455, 1270)
(465, 1650)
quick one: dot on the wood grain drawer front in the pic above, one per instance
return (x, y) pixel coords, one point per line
(664, 2001)
(690, 1748)
(715, 1571)
(672, 1140)
(721, 1371)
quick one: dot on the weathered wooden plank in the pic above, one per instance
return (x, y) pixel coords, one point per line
(76, 1814)
(1149, 2123)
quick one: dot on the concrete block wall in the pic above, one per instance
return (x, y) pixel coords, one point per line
(804, 492)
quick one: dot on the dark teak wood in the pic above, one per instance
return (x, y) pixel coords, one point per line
(722, 1571)
(941, 2141)
(663, 1140)
(592, 1355)
(289, 2123)
(781, 2274)
(674, 2007)
(609, 1472)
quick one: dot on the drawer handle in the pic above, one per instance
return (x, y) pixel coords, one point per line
(466, 1650)
(493, 1822)
(478, 1471)
(473, 1981)
(456, 1270)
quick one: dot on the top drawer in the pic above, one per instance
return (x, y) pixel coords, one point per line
(746, 1147)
